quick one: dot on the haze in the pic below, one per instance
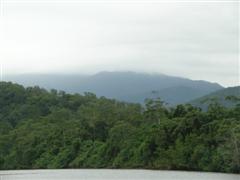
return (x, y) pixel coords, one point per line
(198, 40)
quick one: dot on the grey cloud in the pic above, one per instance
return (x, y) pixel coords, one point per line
(184, 39)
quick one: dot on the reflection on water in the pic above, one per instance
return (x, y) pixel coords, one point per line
(112, 174)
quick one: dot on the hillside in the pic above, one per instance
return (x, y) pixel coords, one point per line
(52, 130)
(219, 97)
(124, 86)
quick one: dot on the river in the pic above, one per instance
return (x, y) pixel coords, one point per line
(112, 175)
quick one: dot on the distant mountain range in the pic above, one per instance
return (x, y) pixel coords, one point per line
(219, 96)
(124, 86)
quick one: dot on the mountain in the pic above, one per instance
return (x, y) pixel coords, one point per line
(124, 86)
(172, 95)
(219, 96)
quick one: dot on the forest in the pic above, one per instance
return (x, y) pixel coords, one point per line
(42, 129)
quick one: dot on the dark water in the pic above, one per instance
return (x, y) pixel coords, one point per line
(112, 174)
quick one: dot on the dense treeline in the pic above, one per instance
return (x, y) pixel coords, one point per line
(41, 129)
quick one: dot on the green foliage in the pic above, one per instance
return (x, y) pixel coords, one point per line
(41, 129)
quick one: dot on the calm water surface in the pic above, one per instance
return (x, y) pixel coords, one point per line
(112, 174)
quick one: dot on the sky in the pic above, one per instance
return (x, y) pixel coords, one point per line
(193, 39)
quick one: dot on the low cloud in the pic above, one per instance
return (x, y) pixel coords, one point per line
(195, 40)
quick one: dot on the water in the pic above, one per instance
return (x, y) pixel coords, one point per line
(112, 174)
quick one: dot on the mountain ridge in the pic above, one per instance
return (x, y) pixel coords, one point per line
(219, 96)
(124, 86)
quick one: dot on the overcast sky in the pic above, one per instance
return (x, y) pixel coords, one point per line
(198, 40)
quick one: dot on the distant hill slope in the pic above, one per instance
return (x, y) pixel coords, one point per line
(125, 86)
(172, 95)
(218, 96)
